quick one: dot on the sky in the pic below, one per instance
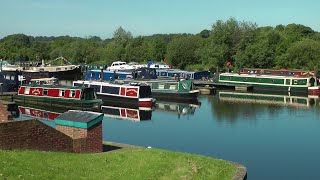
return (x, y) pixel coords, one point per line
(84, 18)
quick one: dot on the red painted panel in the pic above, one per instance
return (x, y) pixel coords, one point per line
(132, 113)
(67, 93)
(21, 90)
(122, 91)
(36, 91)
(123, 112)
(52, 116)
(132, 92)
(22, 110)
(53, 92)
(36, 113)
(78, 94)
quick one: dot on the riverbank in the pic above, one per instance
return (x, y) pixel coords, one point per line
(118, 162)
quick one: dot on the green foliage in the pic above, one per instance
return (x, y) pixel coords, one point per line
(181, 51)
(303, 54)
(242, 43)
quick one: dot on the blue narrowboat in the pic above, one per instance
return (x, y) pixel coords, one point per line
(193, 75)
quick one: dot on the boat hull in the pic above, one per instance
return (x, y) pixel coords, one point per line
(55, 102)
(127, 102)
(175, 96)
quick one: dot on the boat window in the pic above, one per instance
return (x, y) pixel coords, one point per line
(45, 92)
(92, 75)
(72, 93)
(161, 86)
(27, 91)
(287, 81)
(41, 69)
(61, 93)
(110, 89)
(295, 82)
(65, 68)
(58, 69)
(172, 86)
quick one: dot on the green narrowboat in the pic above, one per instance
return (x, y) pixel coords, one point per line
(169, 90)
(291, 84)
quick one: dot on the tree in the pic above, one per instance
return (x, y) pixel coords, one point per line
(181, 51)
(304, 54)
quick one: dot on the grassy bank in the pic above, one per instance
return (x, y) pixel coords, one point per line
(123, 163)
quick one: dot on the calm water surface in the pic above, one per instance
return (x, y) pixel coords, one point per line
(275, 137)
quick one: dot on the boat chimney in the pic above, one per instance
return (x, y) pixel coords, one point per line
(101, 74)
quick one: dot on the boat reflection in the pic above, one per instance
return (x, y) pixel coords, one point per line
(136, 115)
(181, 109)
(40, 113)
(29, 111)
(272, 99)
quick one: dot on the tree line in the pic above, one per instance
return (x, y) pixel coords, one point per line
(242, 43)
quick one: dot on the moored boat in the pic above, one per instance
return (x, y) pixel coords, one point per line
(135, 94)
(169, 90)
(307, 84)
(172, 73)
(59, 96)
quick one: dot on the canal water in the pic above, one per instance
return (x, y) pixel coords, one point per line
(274, 136)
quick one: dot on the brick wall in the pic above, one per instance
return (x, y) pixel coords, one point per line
(4, 114)
(85, 140)
(33, 134)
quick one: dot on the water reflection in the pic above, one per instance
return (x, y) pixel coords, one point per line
(181, 109)
(127, 113)
(231, 105)
(38, 112)
(272, 99)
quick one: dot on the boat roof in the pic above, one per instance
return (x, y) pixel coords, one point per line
(264, 76)
(44, 79)
(119, 62)
(53, 86)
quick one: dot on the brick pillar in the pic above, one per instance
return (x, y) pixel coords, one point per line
(4, 114)
(84, 127)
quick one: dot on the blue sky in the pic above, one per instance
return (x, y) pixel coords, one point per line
(101, 18)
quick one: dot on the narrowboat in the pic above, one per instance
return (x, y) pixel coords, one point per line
(284, 72)
(193, 75)
(291, 84)
(34, 70)
(59, 96)
(138, 95)
(140, 73)
(272, 99)
(169, 90)
(132, 114)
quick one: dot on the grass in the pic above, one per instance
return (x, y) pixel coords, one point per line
(123, 163)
